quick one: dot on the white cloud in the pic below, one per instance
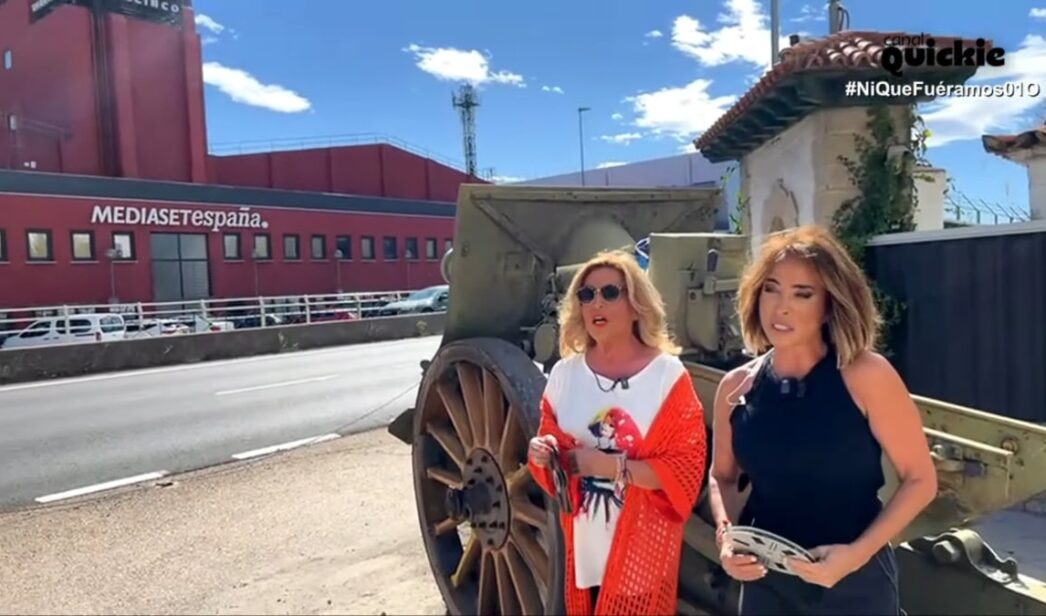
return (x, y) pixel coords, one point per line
(617, 117)
(810, 13)
(622, 138)
(243, 87)
(1037, 13)
(609, 164)
(744, 37)
(554, 89)
(207, 22)
(450, 64)
(682, 112)
(654, 34)
(505, 179)
(963, 118)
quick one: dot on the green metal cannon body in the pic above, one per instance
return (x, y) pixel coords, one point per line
(492, 536)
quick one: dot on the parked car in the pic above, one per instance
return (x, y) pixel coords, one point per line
(431, 299)
(82, 328)
(155, 327)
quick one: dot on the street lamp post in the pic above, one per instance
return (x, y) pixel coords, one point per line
(255, 255)
(408, 256)
(338, 254)
(113, 254)
(581, 139)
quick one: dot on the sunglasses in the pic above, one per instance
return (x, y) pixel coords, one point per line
(610, 292)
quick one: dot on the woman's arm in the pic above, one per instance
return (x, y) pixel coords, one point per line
(724, 498)
(895, 421)
(897, 425)
(673, 470)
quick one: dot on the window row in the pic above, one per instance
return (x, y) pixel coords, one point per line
(40, 246)
(343, 247)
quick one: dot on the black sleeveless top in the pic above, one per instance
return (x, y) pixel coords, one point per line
(813, 462)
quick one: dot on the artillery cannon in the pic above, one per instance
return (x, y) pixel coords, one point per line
(492, 536)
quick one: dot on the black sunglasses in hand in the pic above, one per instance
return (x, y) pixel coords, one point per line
(610, 292)
(559, 478)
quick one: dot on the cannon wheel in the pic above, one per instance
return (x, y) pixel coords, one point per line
(492, 535)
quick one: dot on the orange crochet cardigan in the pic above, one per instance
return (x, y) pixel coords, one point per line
(642, 574)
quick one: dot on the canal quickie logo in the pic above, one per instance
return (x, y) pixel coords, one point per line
(176, 217)
(922, 50)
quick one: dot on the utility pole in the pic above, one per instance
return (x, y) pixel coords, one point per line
(775, 30)
(581, 139)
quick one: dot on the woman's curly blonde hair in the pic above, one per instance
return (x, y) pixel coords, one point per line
(651, 328)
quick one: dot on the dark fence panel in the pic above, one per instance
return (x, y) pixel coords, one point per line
(974, 331)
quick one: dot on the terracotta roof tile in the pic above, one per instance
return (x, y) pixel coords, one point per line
(1003, 144)
(847, 51)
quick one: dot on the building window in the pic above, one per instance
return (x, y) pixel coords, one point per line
(392, 249)
(231, 246)
(262, 246)
(291, 247)
(367, 247)
(3, 245)
(40, 244)
(447, 245)
(343, 244)
(430, 249)
(83, 246)
(411, 249)
(8, 60)
(319, 247)
(123, 244)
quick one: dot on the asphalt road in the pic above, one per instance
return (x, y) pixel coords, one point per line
(64, 436)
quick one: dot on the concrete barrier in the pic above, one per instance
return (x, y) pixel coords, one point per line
(52, 362)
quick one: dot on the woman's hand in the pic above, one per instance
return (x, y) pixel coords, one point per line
(741, 567)
(541, 448)
(831, 564)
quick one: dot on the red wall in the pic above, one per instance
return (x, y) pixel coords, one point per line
(24, 284)
(377, 170)
(51, 82)
(157, 93)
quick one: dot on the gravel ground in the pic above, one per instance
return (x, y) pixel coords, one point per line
(328, 529)
(323, 530)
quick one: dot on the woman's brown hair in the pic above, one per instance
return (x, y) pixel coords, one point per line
(853, 319)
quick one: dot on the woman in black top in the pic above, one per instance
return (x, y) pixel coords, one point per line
(807, 423)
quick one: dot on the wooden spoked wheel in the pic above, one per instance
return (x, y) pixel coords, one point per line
(492, 535)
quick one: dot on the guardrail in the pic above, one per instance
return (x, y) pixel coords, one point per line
(65, 324)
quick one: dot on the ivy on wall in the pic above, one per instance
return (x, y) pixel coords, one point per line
(887, 199)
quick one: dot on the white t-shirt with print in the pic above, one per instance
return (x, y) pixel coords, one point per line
(612, 420)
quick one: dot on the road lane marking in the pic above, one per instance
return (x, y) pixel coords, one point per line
(99, 487)
(285, 446)
(315, 379)
(214, 364)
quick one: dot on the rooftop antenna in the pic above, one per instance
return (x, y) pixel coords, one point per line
(466, 101)
(838, 17)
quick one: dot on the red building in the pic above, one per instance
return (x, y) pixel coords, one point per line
(105, 176)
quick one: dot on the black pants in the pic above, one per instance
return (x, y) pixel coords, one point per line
(872, 590)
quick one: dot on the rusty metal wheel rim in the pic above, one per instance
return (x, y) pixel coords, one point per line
(490, 532)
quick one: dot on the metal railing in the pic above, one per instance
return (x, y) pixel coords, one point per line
(962, 209)
(146, 319)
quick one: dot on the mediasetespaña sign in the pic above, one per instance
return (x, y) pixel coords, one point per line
(214, 220)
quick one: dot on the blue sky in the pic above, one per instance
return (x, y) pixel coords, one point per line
(655, 74)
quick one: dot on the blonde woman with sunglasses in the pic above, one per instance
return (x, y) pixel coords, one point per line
(621, 418)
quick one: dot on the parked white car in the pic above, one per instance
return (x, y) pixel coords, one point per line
(83, 328)
(155, 327)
